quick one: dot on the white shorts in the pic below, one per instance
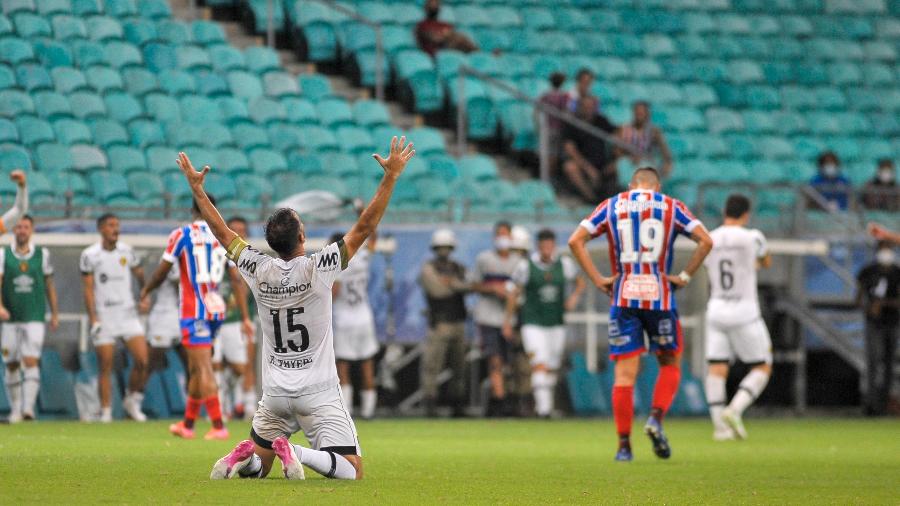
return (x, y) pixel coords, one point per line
(230, 344)
(322, 416)
(163, 330)
(21, 339)
(356, 342)
(749, 343)
(115, 327)
(544, 345)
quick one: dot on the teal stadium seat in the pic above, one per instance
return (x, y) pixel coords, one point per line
(120, 8)
(124, 159)
(261, 59)
(145, 133)
(33, 130)
(87, 105)
(72, 131)
(208, 33)
(14, 157)
(285, 137)
(161, 160)
(140, 31)
(53, 54)
(174, 32)
(280, 84)
(334, 113)
(33, 77)
(233, 162)
(139, 81)
(52, 105)
(88, 158)
(249, 137)
(107, 133)
(65, 79)
(104, 79)
(210, 84)
(9, 133)
(225, 58)
(266, 111)
(266, 162)
(123, 107)
(314, 87)
(87, 53)
(245, 85)
(300, 111)
(146, 186)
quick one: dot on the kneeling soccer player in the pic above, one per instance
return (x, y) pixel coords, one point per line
(301, 390)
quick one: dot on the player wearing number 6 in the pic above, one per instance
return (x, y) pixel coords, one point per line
(641, 226)
(202, 265)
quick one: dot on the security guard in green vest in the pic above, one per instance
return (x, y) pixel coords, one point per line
(543, 280)
(443, 281)
(27, 277)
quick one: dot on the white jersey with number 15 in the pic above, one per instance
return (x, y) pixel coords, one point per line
(732, 266)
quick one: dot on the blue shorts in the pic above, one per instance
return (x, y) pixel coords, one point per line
(627, 327)
(198, 333)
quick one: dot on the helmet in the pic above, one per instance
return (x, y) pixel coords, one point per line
(521, 239)
(443, 237)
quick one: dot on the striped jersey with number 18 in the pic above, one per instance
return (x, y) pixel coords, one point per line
(202, 263)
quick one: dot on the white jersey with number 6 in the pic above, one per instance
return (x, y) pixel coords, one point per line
(732, 266)
(294, 303)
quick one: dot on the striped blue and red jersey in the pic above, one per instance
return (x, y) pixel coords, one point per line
(201, 261)
(641, 227)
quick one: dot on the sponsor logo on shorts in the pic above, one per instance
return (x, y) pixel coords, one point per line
(665, 327)
(619, 341)
(294, 363)
(201, 329)
(614, 328)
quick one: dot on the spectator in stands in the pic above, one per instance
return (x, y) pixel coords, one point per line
(647, 142)
(879, 296)
(831, 183)
(444, 282)
(882, 192)
(586, 160)
(882, 234)
(557, 98)
(433, 34)
(584, 81)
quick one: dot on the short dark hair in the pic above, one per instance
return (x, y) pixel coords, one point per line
(27, 217)
(104, 217)
(335, 237)
(545, 234)
(646, 170)
(823, 157)
(557, 79)
(238, 219)
(583, 71)
(283, 231)
(885, 162)
(502, 224)
(736, 206)
(195, 207)
(638, 103)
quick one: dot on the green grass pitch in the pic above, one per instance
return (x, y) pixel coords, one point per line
(815, 461)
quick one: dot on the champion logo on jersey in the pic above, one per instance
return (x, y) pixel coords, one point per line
(285, 281)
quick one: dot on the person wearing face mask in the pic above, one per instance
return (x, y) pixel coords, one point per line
(878, 295)
(432, 34)
(444, 282)
(493, 269)
(831, 183)
(882, 192)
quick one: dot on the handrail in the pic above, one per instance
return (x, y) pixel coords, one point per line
(544, 109)
(379, 42)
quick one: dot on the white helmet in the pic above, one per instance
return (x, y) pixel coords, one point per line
(521, 239)
(443, 237)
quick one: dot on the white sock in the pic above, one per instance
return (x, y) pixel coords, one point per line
(715, 398)
(253, 469)
(542, 386)
(347, 393)
(30, 388)
(138, 399)
(13, 382)
(369, 399)
(106, 413)
(752, 385)
(329, 465)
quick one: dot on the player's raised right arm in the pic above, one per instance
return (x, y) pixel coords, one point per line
(393, 166)
(207, 210)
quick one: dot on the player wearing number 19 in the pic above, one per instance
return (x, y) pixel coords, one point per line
(641, 226)
(201, 262)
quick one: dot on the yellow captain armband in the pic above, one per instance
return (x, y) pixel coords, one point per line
(235, 248)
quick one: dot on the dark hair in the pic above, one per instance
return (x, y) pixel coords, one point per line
(641, 103)
(104, 217)
(502, 224)
(283, 231)
(883, 244)
(335, 237)
(557, 79)
(820, 161)
(647, 169)
(583, 71)
(736, 206)
(196, 207)
(885, 162)
(238, 219)
(27, 217)
(545, 234)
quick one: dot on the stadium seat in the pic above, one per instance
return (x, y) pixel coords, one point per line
(104, 79)
(300, 111)
(52, 158)
(314, 87)
(162, 107)
(120, 8)
(53, 54)
(145, 133)
(249, 137)
(355, 140)
(33, 131)
(261, 59)
(88, 53)
(280, 84)
(285, 137)
(33, 77)
(319, 139)
(225, 58)
(123, 107)
(66, 79)
(140, 31)
(9, 133)
(232, 161)
(192, 58)
(177, 82)
(154, 9)
(72, 131)
(108, 133)
(208, 33)
(139, 82)
(88, 158)
(124, 159)
(334, 113)
(174, 32)
(244, 85)
(159, 56)
(265, 111)
(14, 157)
(161, 159)
(266, 162)
(477, 168)
(51, 105)
(146, 186)
(87, 105)
(210, 84)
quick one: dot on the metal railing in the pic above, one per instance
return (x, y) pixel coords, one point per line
(543, 110)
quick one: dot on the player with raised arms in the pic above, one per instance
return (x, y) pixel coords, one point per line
(301, 390)
(20, 205)
(202, 265)
(734, 324)
(641, 226)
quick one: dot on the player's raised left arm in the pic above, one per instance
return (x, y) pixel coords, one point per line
(704, 245)
(578, 246)
(20, 206)
(393, 166)
(208, 211)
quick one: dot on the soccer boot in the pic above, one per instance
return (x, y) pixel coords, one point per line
(216, 434)
(133, 410)
(654, 431)
(230, 465)
(723, 435)
(14, 418)
(735, 422)
(179, 430)
(624, 454)
(290, 462)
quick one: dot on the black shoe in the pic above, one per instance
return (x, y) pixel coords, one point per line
(495, 408)
(430, 408)
(654, 431)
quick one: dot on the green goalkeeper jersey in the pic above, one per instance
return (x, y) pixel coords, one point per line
(24, 285)
(544, 295)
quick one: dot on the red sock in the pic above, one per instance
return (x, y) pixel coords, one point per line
(214, 411)
(666, 388)
(623, 408)
(191, 411)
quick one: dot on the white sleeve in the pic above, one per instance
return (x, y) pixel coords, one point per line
(520, 274)
(84, 263)
(19, 208)
(761, 246)
(47, 266)
(2, 259)
(330, 261)
(570, 270)
(246, 258)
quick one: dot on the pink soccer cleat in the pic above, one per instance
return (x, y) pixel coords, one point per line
(290, 463)
(220, 434)
(179, 430)
(229, 466)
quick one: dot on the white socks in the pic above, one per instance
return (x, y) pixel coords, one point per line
(347, 394)
(715, 398)
(752, 385)
(13, 381)
(329, 465)
(369, 399)
(542, 384)
(253, 469)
